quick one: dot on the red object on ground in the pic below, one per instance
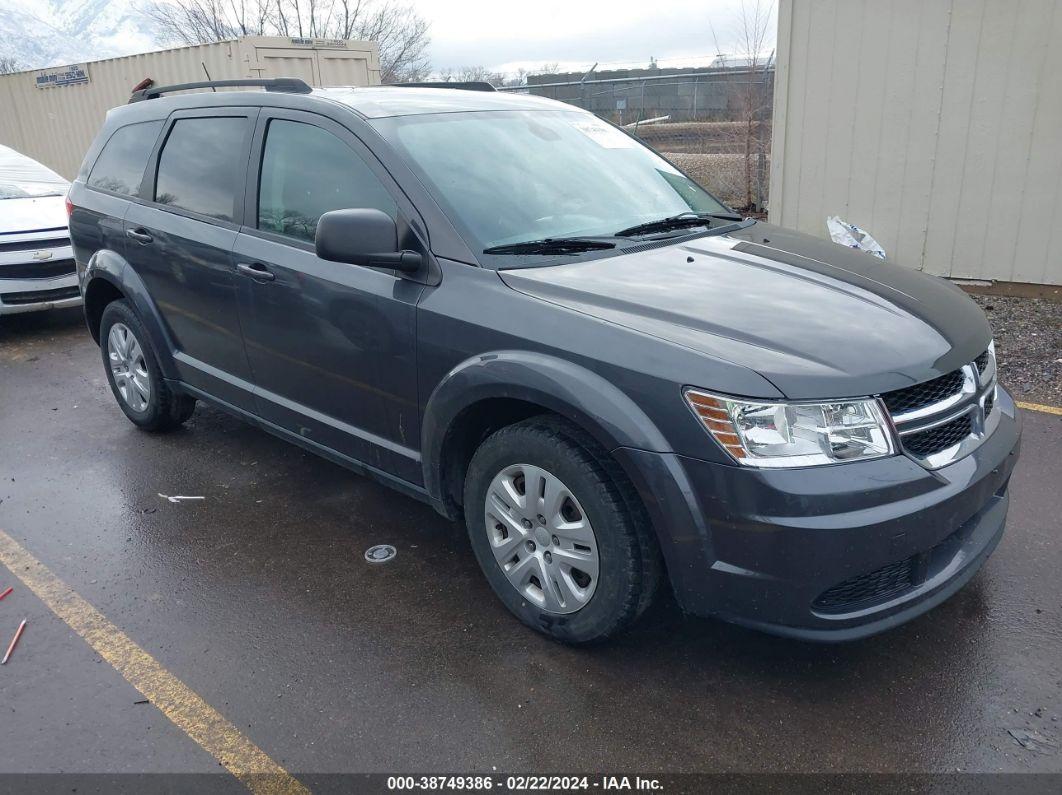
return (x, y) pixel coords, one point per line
(5, 593)
(14, 640)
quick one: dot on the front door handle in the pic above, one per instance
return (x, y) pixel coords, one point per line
(139, 235)
(256, 271)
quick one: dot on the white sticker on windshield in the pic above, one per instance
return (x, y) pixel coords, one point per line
(604, 135)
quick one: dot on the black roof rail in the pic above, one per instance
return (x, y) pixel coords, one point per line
(287, 85)
(471, 85)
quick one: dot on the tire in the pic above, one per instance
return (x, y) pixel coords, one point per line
(162, 408)
(568, 603)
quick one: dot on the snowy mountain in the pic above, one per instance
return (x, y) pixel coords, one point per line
(38, 33)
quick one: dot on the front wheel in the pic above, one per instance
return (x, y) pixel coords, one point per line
(551, 527)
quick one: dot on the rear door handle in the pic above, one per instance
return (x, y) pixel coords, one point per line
(139, 235)
(256, 271)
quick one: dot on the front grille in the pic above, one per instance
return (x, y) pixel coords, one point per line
(969, 389)
(38, 296)
(37, 270)
(35, 245)
(981, 362)
(933, 440)
(877, 586)
(910, 398)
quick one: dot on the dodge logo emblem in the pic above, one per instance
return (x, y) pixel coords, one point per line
(42, 255)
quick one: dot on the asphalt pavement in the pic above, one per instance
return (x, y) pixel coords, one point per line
(258, 598)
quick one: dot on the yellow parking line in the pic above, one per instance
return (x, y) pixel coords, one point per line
(190, 713)
(1039, 407)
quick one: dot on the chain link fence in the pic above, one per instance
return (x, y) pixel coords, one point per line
(714, 124)
(714, 154)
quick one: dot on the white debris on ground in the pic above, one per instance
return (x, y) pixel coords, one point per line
(179, 497)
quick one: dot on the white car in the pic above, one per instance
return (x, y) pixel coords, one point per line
(36, 263)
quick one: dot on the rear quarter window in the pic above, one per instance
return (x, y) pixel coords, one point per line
(120, 166)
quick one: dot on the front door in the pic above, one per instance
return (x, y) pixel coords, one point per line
(180, 245)
(331, 345)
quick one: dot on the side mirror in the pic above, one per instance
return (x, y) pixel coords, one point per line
(363, 237)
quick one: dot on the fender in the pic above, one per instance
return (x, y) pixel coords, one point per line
(568, 389)
(600, 408)
(111, 267)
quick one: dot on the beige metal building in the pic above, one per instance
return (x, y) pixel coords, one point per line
(53, 114)
(936, 125)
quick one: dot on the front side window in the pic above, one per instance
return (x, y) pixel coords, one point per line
(514, 176)
(200, 165)
(120, 166)
(306, 172)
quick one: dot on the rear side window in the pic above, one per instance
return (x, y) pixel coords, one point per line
(307, 171)
(120, 166)
(200, 165)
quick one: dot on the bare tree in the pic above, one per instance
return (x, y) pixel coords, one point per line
(481, 74)
(519, 78)
(9, 64)
(755, 32)
(402, 35)
(400, 32)
(196, 21)
(471, 74)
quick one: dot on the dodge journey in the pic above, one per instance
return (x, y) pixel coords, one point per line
(510, 309)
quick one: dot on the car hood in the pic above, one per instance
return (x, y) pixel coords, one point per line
(32, 214)
(816, 319)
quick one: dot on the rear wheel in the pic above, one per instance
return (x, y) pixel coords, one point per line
(134, 375)
(552, 531)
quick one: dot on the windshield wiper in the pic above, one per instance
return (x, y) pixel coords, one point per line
(676, 222)
(551, 245)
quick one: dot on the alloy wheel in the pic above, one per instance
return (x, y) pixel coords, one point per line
(128, 367)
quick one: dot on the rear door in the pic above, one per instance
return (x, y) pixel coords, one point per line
(180, 243)
(331, 345)
(115, 179)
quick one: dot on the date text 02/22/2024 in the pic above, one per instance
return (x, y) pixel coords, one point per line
(523, 783)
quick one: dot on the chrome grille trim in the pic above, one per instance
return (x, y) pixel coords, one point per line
(977, 393)
(968, 388)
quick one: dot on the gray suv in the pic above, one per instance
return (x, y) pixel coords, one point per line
(520, 314)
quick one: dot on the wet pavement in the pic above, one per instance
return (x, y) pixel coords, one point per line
(259, 598)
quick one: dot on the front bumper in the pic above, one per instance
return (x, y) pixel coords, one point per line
(34, 295)
(827, 553)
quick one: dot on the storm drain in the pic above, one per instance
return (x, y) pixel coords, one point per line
(381, 553)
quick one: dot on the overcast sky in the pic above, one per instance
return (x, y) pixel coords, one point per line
(505, 35)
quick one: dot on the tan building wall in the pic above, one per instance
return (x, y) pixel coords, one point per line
(934, 124)
(55, 125)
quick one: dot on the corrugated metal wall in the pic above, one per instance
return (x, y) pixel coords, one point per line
(934, 124)
(56, 125)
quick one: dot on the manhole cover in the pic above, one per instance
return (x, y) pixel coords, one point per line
(381, 553)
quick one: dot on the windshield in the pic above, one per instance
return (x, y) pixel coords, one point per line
(22, 177)
(514, 176)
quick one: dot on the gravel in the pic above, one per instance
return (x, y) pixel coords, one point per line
(1028, 346)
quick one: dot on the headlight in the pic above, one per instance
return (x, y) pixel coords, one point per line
(794, 434)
